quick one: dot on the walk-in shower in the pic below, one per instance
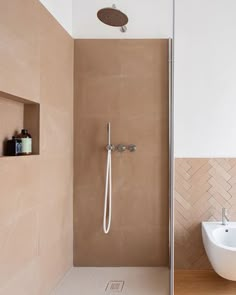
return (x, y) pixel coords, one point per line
(121, 193)
(91, 201)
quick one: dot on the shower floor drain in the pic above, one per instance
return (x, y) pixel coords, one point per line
(115, 286)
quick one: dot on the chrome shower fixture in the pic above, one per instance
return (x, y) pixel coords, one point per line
(110, 147)
(121, 148)
(107, 213)
(132, 148)
(123, 29)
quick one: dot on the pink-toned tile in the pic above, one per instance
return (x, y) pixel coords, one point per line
(56, 178)
(100, 57)
(56, 131)
(18, 245)
(99, 96)
(20, 191)
(56, 63)
(143, 97)
(132, 93)
(144, 247)
(106, 249)
(55, 218)
(12, 113)
(26, 282)
(144, 57)
(20, 48)
(33, 189)
(55, 261)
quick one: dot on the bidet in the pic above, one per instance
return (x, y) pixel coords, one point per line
(220, 244)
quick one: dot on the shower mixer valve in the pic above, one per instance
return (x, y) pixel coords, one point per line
(121, 147)
(132, 148)
(110, 147)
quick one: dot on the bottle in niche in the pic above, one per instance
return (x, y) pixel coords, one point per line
(26, 142)
(13, 147)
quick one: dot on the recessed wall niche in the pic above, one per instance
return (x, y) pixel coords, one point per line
(17, 113)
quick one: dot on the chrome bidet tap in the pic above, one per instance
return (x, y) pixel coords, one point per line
(225, 218)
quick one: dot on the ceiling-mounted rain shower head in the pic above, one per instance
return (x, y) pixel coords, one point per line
(111, 16)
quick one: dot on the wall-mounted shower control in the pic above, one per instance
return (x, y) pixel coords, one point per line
(132, 148)
(121, 148)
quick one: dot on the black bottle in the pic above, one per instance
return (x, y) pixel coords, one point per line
(14, 147)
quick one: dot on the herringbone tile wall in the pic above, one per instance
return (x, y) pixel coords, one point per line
(202, 188)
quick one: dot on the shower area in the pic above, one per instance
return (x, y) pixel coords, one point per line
(129, 90)
(121, 242)
(88, 212)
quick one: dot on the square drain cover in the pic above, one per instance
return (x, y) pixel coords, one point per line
(115, 286)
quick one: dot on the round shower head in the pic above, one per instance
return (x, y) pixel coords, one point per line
(112, 17)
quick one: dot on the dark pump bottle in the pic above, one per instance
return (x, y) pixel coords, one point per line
(26, 142)
(13, 147)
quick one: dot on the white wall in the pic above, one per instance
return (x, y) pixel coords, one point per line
(62, 11)
(205, 78)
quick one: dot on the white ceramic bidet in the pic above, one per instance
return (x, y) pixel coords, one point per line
(220, 245)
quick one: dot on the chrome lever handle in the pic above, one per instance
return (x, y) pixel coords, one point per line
(132, 148)
(121, 148)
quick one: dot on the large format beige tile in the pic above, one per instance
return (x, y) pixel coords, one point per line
(20, 191)
(143, 58)
(12, 113)
(18, 246)
(130, 90)
(98, 60)
(55, 219)
(99, 96)
(56, 131)
(55, 261)
(36, 191)
(56, 178)
(56, 63)
(26, 282)
(20, 48)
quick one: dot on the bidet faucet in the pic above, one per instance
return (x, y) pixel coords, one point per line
(225, 218)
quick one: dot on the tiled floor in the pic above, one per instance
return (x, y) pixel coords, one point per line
(115, 280)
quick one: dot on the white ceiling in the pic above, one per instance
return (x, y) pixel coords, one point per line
(147, 18)
(62, 11)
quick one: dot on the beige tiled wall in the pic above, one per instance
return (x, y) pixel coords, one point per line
(20, 60)
(12, 113)
(202, 188)
(124, 82)
(36, 60)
